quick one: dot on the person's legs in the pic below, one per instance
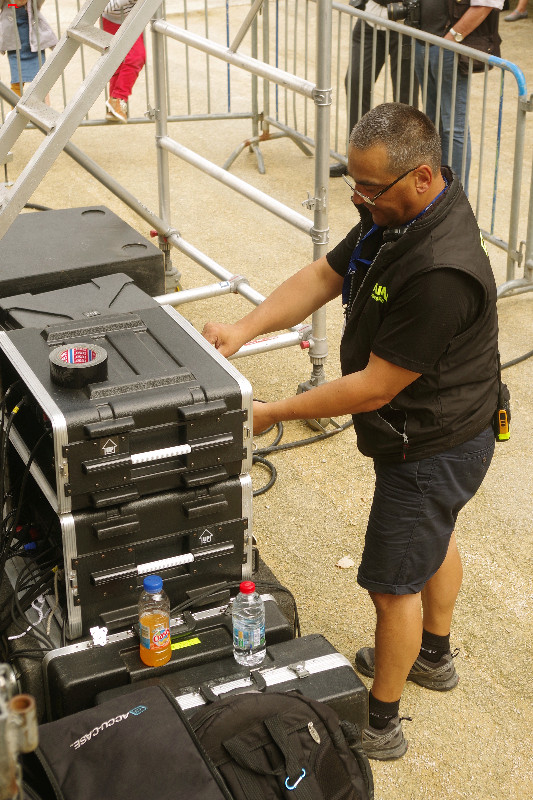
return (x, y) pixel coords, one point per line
(452, 146)
(421, 56)
(412, 570)
(358, 80)
(461, 134)
(359, 86)
(397, 642)
(129, 70)
(401, 84)
(123, 80)
(440, 592)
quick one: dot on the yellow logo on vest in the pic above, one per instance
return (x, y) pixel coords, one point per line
(483, 245)
(379, 293)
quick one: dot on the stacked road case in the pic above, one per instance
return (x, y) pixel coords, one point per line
(136, 435)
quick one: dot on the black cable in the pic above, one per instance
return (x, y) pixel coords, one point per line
(273, 474)
(272, 587)
(32, 584)
(517, 360)
(4, 437)
(29, 792)
(259, 455)
(33, 632)
(9, 533)
(302, 442)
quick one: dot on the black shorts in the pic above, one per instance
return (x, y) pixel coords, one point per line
(413, 515)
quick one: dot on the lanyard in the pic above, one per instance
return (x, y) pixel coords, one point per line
(352, 266)
(356, 255)
(407, 224)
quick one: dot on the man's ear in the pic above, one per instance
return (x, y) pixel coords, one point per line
(423, 178)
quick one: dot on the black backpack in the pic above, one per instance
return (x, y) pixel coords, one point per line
(271, 746)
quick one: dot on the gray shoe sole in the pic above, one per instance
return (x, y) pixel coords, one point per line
(430, 679)
(386, 745)
(387, 755)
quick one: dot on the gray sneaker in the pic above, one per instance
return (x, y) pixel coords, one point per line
(441, 677)
(387, 744)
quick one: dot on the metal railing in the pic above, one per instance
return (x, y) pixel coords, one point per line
(262, 72)
(318, 92)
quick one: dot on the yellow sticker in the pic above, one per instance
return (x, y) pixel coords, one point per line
(187, 643)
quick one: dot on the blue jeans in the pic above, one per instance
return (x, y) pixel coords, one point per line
(446, 105)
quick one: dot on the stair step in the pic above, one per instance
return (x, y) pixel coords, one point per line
(5, 194)
(39, 113)
(93, 37)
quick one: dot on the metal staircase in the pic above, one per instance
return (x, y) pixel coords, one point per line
(60, 126)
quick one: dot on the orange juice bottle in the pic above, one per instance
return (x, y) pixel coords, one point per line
(154, 623)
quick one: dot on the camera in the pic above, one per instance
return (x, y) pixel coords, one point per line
(409, 10)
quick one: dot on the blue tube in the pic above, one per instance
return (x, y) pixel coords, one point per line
(516, 71)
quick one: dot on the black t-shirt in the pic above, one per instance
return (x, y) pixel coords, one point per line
(430, 310)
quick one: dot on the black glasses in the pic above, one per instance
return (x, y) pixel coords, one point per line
(371, 200)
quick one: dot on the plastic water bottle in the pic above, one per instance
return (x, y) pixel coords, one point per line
(248, 616)
(154, 623)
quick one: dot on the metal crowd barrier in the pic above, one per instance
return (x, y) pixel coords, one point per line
(288, 36)
(496, 118)
(317, 91)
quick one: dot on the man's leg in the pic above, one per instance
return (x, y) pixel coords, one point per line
(459, 137)
(397, 642)
(440, 592)
(427, 82)
(359, 83)
(404, 82)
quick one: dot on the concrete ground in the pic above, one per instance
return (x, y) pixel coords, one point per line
(474, 742)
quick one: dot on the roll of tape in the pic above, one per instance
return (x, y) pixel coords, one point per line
(76, 365)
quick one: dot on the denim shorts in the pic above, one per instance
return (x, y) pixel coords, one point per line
(413, 514)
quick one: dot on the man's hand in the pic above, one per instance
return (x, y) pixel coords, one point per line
(225, 338)
(262, 417)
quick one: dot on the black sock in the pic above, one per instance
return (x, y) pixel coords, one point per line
(433, 646)
(380, 713)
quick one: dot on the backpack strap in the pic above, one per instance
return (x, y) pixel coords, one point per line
(292, 767)
(249, 783)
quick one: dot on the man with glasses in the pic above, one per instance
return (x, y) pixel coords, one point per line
(420, 378)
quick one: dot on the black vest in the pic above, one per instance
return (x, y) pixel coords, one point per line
(485, 37)
(456, 399)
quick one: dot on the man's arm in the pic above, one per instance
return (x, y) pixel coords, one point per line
(291, 303)
(366, 390)
(471, 19)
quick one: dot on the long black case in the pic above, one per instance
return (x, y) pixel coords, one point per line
(66, 247)
(172, 413)
(195, 539)
(74, 675)
(309, 665)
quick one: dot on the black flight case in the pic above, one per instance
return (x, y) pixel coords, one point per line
(309, 665)
(138, 454)
(74, 675)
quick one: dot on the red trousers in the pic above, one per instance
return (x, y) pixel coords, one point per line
(122, 82)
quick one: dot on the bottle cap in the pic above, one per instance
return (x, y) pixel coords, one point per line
(153, 584)
(247, 587)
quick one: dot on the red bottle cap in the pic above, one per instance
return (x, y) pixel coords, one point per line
(247, 587)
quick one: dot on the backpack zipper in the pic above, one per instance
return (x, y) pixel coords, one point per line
(314, 733)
